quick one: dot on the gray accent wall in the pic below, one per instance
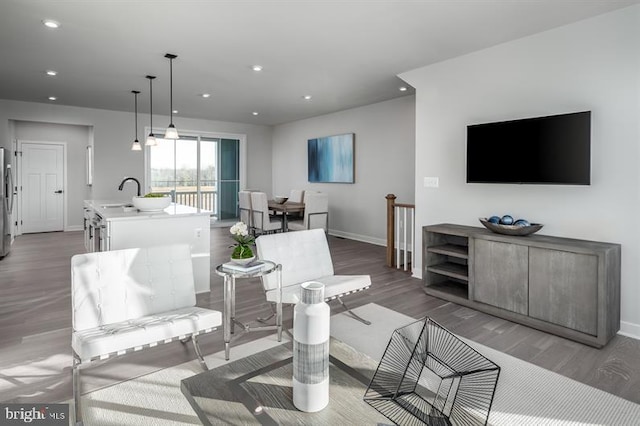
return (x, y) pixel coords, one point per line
(384, 163)
(590, 65)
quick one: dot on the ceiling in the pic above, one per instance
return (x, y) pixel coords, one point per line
(343, 53)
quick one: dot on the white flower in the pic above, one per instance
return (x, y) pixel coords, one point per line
(240, 229)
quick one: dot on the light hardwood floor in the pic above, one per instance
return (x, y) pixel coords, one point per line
(35, 321)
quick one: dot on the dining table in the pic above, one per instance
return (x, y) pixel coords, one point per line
(286, 208)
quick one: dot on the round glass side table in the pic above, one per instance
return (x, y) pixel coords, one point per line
(232, 272)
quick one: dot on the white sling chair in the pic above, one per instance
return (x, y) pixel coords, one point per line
(132, 299)
(305, 256)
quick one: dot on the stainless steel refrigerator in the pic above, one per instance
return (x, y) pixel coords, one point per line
(6, 202)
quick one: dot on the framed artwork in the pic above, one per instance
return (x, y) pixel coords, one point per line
(331, 159)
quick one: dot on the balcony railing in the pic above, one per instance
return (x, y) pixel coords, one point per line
(190, 198)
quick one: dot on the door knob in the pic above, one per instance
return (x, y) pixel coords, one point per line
(59, 191)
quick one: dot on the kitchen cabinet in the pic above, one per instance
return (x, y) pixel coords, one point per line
(563, 286)
(114, 225)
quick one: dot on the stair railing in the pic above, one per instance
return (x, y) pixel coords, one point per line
(400, 233)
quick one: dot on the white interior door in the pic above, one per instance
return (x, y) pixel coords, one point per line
(41, 186)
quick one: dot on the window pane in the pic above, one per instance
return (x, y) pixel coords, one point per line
(190, 168)
(208, 183)
(187, 172)
(229, 182)
(162, 164)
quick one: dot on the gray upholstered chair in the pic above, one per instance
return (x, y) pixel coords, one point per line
(316, 213)
(262, 221)
(305, 256)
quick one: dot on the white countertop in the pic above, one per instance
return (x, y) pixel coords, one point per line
(114, 210)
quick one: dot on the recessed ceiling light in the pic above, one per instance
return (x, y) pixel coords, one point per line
(403, 89)
(50, 23)
(206, 95)
(257, 67)
(53, 98)
(255, 113)
(307, 97)
(52, 72)
(175, 111)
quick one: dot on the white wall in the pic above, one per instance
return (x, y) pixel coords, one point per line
(384, 163)
(590, 65)
(76, 138)
(112, 137)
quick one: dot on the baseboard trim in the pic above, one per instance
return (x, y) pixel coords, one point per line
(358, 237)
(629, 329)
(73, 228)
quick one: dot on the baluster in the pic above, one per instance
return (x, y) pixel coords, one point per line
(404, 224)
(397, 235)
(390, 228)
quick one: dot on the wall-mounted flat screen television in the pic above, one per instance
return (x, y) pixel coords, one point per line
(543, 150)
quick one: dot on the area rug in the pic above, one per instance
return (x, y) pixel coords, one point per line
(526, 394)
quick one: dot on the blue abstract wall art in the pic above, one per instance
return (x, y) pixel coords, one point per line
(331, 159)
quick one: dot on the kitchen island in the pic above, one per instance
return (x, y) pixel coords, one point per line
(115, 224)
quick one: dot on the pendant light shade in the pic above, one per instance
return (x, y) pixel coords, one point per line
(172, 132)
(151, 139)
(136, 144)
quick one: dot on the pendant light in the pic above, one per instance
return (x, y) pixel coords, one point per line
(136, 144)
(172, 132)
(151, 139)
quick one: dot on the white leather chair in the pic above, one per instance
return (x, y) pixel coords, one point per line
(244, 205)
(305, 256)
(128, 300)
(263, 222)
(316, 213)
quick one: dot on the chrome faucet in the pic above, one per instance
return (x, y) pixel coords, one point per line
(129, 178)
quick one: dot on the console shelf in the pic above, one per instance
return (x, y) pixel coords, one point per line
(451, 250)
(453, 270)
(562, 286)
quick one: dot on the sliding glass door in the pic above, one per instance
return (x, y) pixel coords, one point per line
(197, 171)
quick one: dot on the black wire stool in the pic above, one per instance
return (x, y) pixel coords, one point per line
(429, 376)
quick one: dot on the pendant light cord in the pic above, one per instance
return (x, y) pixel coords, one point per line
(171, 89)
(136, 111)
(150, 104)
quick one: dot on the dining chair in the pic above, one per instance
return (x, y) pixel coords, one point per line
(262, 221)
(295, 196)
(244, 205)
(316, 213)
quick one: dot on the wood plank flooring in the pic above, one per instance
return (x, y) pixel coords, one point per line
(35, 321)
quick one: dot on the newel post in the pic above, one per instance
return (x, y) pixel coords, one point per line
(391, 199)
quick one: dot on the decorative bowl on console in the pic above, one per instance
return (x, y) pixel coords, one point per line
(517, 230)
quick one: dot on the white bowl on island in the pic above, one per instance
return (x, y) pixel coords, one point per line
(151, 204)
